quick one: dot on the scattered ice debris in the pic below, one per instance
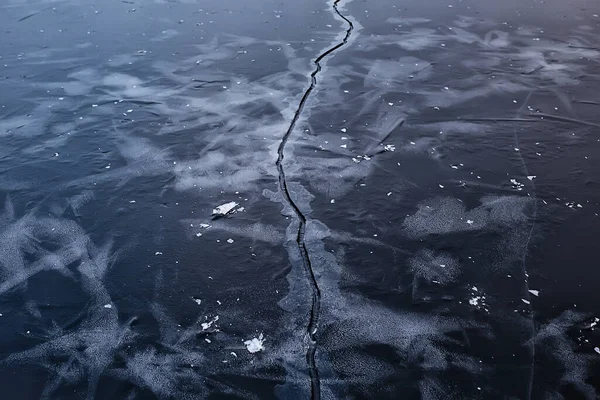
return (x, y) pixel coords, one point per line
(208, 324)
(470, 222)
(389, 147)
(229, 240)
(358, 159)
(197, 301)
(225, 209)
(477, 299)
(536, 293)
(592, 325)
(256, 344)
(108, 305)
(516, 184)
(531, 177)
(573, 205)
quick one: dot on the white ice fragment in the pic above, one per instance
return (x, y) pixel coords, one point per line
(233, 354)
(332, 201)
(204, 226)
(597, 350)
(255, 345)
(108, 305)
(531, 177)
(229, 240)
(440, 185)
(389, 147)
(536, 293)
(389, 193)
(158, 253)
(207, 340)
(470, 222)
(343, 146)
(198, 234)
(197, 301)
(525, 301)
(343, 130)
(225, 209)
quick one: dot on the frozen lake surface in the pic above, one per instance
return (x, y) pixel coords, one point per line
(299, 200)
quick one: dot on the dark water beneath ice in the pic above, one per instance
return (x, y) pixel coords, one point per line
(431, 232)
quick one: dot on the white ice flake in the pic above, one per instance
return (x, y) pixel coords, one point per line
(225, 209)
(255, 345)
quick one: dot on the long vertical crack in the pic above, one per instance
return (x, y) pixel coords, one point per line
(316, 292)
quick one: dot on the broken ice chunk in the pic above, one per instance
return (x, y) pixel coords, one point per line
(536, 293)
(256, 344)
(206, 325)
(225, 209)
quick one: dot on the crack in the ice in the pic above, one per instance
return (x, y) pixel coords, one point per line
(526, 247)
(316, 293)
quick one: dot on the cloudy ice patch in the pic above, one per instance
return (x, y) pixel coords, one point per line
(439, 268)
(446, 215)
